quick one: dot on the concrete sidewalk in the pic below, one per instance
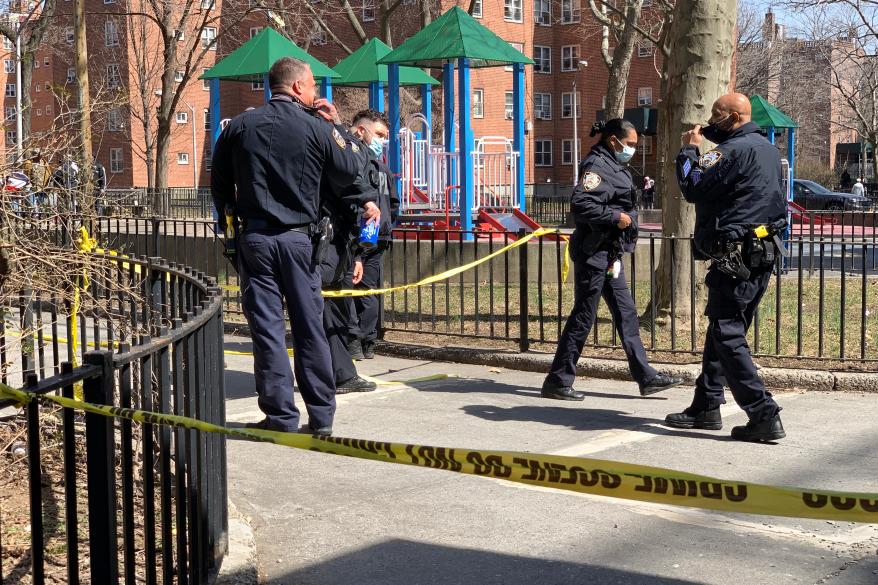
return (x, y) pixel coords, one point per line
(321, 519)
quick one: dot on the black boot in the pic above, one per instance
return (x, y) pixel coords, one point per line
(368, 350)
(355, 348)
(561, 392)
(696, 419)
(355, 384)
(757, 432)
(659, 383)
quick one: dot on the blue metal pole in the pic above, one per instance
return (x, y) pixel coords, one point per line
(771, 134)
(448, 110)
(379, 97)
(215, 116)
(467, 188)
(393, 115)
(427, 107)
(791, 150)
(518, 130)
(326, 88)
(266, 90)
(372, 94)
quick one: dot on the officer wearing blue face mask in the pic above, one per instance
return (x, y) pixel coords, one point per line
(603, 209)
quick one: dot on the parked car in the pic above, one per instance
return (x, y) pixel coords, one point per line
(811, 195)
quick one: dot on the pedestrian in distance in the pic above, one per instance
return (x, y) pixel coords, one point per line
(269, 165)
(740, 210)
(602, 205)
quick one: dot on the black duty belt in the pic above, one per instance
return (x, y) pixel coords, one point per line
(264, 224)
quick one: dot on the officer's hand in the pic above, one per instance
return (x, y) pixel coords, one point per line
(624, 221)
(693, 137)
(371, 212)
(358, 272)
(327, 111)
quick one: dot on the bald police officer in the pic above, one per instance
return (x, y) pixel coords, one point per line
(739, 210)
(269, 164)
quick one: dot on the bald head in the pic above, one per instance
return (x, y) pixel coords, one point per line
(736, 105)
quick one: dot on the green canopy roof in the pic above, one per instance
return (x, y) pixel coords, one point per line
(767, 116)
(252, 60)
(362, 68)
(453, 35)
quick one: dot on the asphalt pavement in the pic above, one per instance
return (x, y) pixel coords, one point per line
(319, 519)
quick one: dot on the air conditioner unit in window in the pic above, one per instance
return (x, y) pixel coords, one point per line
(507, 115)
(545, 18)
(544, 115)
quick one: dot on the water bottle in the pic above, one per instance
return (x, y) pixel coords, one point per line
(368, 234)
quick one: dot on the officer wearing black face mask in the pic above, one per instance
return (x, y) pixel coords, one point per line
(739, 211)
(603, 208)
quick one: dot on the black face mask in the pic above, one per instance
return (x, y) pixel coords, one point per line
(718, 132)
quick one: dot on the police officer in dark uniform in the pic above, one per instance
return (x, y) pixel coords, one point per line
(739, 211)
(277, 157)
(373, 129)
(603, 208)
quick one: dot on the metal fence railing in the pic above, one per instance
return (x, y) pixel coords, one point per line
(108, 499)
(174, 202)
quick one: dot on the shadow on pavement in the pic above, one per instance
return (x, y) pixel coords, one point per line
(405, 562)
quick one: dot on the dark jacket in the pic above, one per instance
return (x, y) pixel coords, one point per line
(605, 190)
(388, 201)
(279, 156)
(734, 187)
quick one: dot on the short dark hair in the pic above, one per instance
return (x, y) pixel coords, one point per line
(372, 116)
(285, 72)
(618, 127)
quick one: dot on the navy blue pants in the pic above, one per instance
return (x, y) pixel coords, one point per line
(591, 284)
(727, 361)
(369, 308)
(276, 265)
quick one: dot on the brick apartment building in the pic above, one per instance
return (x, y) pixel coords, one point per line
(557, 34)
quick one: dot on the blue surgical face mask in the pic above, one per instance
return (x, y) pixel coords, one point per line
(626, 154)
(376, 146)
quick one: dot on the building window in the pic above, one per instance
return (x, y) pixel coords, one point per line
(518, 47)
(7, 44)
(109, 1)
(208, 37)
(180, 35)
(543, 106)
(318, 34)
(205, 83)
(10, 137)
(570, 11)
(178, 76)
(71, 75)
(644, 96)
(46, 62)
(543, 59)
(208, 156)
(39, 111)
(68, 35)
(10, 90)
(255, 30)
(567, 150)
(543, 12)
(644, 49)
(477, 9)
(512, 10)
(9, 66)
(542, 153)
(182, 158)
(567, 105)
(10, 113)
(645, 145)
(257, 86)
(48, 110)
(569, 57)
(368, 10)
(114, 120)
(111, 34)
(115, 160)
(507, 105)
(48, 86)
(478, 105)
(114, 78)
(36, 63)
(207, 4)
(37, 88)
(182, 117)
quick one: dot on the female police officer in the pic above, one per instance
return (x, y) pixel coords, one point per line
(602, 205)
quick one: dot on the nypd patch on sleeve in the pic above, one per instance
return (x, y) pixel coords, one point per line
(591, 181)
(709, 159)
(336, 135)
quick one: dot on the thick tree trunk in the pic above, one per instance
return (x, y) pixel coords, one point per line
(27, 77)
(698, 72)
(84, 103)
(617, 83)
(163, 147)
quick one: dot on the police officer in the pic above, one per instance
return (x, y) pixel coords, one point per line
(739, 209)
(603, 208)
(372, 128)
(277, 157)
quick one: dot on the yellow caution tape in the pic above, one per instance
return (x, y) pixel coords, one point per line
(578, 474)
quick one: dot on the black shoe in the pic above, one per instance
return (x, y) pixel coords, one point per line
(561, 393)
(319, 431)
(265, 425)
(659, 383)
(756, 432)
(368, 351)
(711, 420)
(355, 348)
(355, 384)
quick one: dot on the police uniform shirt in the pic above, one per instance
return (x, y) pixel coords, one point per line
(605, 190)
(734, 186)
(278, 156)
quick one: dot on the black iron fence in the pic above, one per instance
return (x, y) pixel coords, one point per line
(105, 498)
(174, 202)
